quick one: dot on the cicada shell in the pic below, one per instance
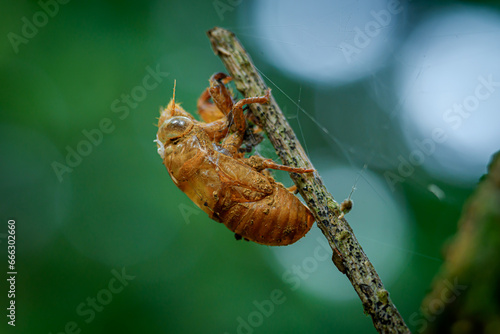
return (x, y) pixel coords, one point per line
(204, 161)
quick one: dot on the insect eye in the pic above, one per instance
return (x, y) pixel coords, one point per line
(175, 127)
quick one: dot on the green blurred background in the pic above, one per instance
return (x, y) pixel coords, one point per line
(117, 211)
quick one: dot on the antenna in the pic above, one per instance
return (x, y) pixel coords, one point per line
(173, 97)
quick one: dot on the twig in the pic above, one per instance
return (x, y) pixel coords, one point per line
(348, 255)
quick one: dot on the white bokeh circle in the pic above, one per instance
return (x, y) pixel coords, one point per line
(448, 81)
(331, 42)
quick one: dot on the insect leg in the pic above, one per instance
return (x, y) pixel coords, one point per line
(220, 94)
(239, 118)
(207, 110)
(216, 130)
(191, 166)
(222, 102)
(260, 163)
(238, 123)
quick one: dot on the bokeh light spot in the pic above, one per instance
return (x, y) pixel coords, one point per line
(448, 81)
(325, 41)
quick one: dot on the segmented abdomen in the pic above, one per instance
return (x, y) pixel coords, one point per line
(278, 219)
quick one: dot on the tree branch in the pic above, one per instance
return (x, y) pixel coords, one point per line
(348, 255)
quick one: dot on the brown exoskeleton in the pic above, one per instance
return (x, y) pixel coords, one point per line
(202, 159)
